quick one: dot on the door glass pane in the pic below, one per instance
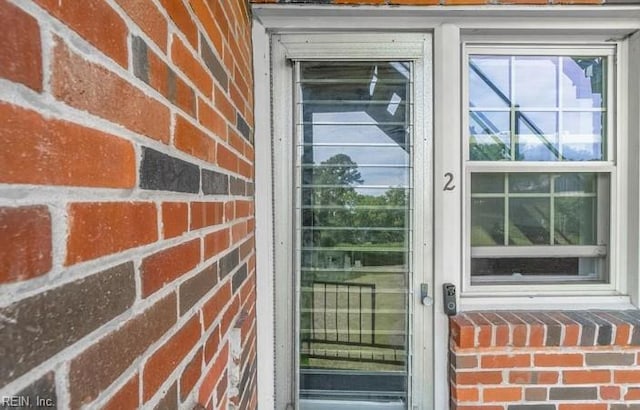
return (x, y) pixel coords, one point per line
(353, 190)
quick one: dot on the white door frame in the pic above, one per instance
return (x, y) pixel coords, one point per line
(335, 47)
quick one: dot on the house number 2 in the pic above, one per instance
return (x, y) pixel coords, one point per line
(448, 186)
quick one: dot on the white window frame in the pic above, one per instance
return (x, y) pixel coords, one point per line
(450, 26)
(607, 207)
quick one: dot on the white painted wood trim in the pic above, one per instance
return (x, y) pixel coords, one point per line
(264, 219)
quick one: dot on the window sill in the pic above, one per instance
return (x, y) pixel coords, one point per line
(548, 328)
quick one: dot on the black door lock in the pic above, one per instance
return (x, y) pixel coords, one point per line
(449, 298)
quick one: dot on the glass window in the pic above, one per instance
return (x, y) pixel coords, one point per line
(531, 218)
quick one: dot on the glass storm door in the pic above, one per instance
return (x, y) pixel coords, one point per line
(353, 213)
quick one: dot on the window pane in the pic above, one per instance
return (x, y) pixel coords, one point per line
(489, 81)
(556, 224)
(537, 108)
(490, 135)
(583, 82)
(536, 81)
(487, 221)
(575, 221)
(529, 221)
(537, 136)
(582, 137)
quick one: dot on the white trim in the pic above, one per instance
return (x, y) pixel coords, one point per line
(578, 302)
(264, 220)
(336, 47)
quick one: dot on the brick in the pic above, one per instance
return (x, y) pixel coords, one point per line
(531, 407)
(205, 214)
(571, 329)
(229, 210)
(223, 105)
(193, 289)
(210, 119)
(226, 158)
(207, 20)
(80, 16)
(478, 377)
(535, 394)
(103, 228)
(182, 19)
(213, 375)
(181, 94)
(609, 359)
(140, 58)
(31, 331)
(213, 307)
(624, 407)
(586, 376)
(243, 127)
(558, 359)
(21, 51)
(211, 345)
(216, 242)
(169, 400)
(126, 397)
(175, 219)
(505, 361)
(33, 146)
(213, 63)
(228, 263)
(246, 170)
(610, 393)
(91, 87)
(148, 18)
(190, 375)
(533, 377)
(93, 370)
(190, 66)
(25, 243)
(161, 172)
(237, 186)
(239, 278)
(501, 394)
(168, 265)
(190, 139)
(588, 334)
(43, 389)
(461, 394)
(238, 231)
(573, 393)
(214, 183)
(584, 406)
(633, 393)
(626, 376)
(484, 329)
(162, 363)
(462, 331)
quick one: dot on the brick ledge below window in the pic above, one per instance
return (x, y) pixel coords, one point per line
(545, 328)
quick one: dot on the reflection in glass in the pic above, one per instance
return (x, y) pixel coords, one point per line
(354, 190)
(540, 210)
(582, 136)
(583, 82)
(555, 110)
(489, 134)
(537, 137)
(536, 81)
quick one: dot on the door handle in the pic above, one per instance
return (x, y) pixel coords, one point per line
(424, 295)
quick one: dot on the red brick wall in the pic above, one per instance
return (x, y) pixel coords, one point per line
(127, 262)
(545, 361)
